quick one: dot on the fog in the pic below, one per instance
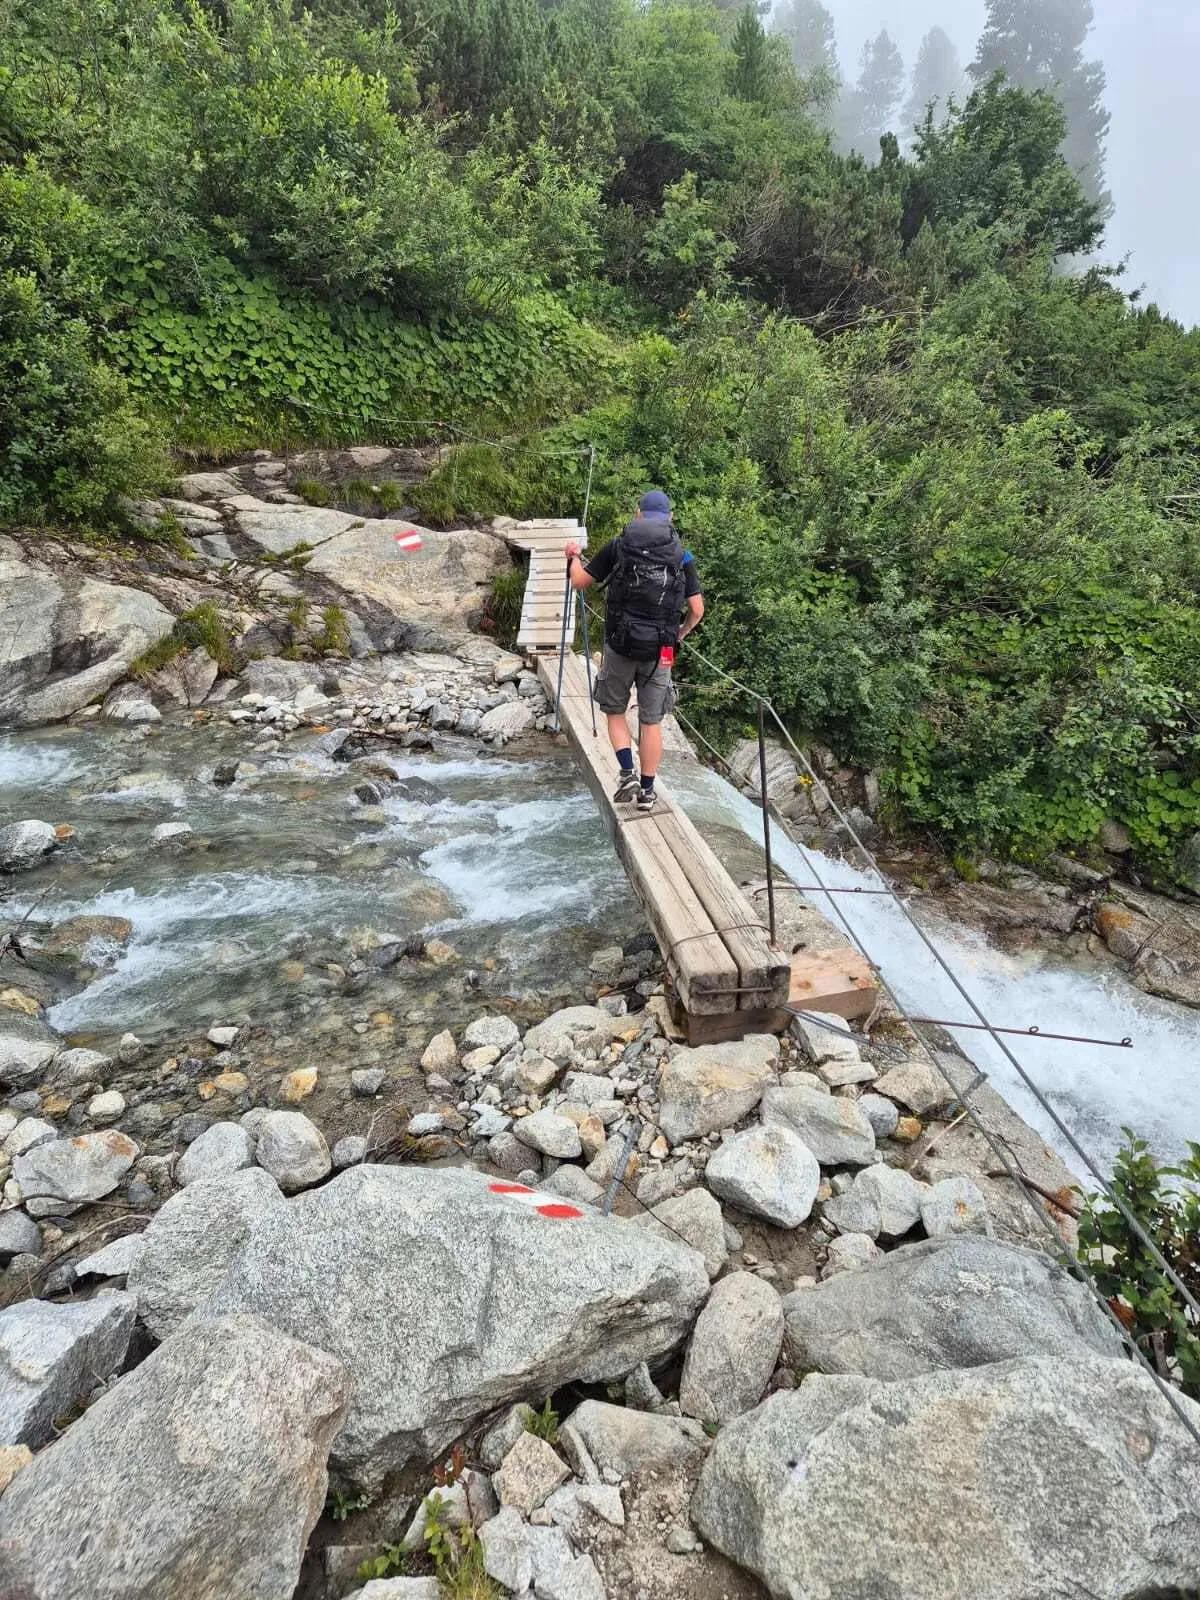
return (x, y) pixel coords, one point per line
(1151, 55)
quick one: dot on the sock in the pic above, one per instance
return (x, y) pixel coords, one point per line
(625, 759)
(647, 782)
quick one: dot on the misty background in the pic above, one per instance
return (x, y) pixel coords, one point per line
(1150, 54)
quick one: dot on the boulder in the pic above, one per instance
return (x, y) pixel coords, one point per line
(53, 1356)
(949, 1485)
(957, 1302)
(501, 1033)
(201, 1473)
(293, 1150)
(222, 1148)
(768, 1172)
(444, 1299)
(733, 1351)
(507, 721)
(187, 679)
(520, 1556)
(918, 1087)
(529, 1473)
(189, 1244)
(627, 1444)
(954, 1205)
(696, 1218)
(714, 1086)
(19, 1235)
(832, 1127)
(882, 1200)
(115, 1260)
(398, 1589)
(27, 1047)
(550, 1134)
(584, 1028)
(73, 1171)
(24, 844)
(68, 638)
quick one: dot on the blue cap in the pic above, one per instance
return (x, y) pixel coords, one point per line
(654, 503)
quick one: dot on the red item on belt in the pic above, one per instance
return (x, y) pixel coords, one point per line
(666, 656)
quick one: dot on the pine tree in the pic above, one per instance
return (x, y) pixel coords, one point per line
(754, 71)
(865, 112)
(1038, 44)
(936, 76)
(807, 28)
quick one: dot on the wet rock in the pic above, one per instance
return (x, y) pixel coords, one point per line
(768, 1172)
(955, 1444)
(881, 1201)
(954, 1205)
(188, 678)
(190, 1243)
(19, 1236)
(293, 1150)
(501, 1033)
(714, 1086)
(530, 1472)
(108, 1106)
(26, 1051)
(53, 1356)
(918, 1087)
(628, 1444)
(550, 1134)
(115, 1260)
(81, 1066)
(694, 1217)
(956, 1302)
(52, 619)
(297, 1085)
(543, 1301)
(833, 1128)
(223, 1036)
(733, 1350)
(87, 937)
(76, 1170)
(507, 721)
(223, 1148)
(170, 832)
(224, 1432)
(25, 844)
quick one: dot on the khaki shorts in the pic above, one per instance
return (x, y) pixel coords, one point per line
(619, 676)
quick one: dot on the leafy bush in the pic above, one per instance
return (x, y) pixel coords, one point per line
(1166, 1201)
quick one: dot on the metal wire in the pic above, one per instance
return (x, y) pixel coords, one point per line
(1076, 1266)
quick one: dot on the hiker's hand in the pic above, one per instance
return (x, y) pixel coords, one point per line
(572, 550)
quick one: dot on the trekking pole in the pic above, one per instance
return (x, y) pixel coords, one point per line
(587, 656)
(562, 650)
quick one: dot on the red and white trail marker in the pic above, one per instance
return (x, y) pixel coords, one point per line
(542, 1204)
(407, 541)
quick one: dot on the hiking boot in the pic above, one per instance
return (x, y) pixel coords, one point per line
(627, 790)
(647, 799)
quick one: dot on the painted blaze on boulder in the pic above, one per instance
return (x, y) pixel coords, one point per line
(447, 1301)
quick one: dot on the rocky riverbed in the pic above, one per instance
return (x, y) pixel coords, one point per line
(368, 1229)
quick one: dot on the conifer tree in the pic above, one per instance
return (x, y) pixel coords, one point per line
(1038, 44)
(866, 111)
(807, 28)
(937, 76)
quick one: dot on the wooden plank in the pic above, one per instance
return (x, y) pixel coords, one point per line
(838, 981)
(764, 971)
(700, 964)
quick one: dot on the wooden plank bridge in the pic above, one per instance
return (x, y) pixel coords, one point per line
(729, 979)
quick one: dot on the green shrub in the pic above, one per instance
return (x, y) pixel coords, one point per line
(314, 491)
(200, 628)
(335, 631)
(1166, 1201)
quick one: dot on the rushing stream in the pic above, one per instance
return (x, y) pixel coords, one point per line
(1153, 1087)
(506, 861)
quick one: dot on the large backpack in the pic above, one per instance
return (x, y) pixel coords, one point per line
(646, 590)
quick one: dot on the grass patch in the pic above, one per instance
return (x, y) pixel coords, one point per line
(313, 491)
(502, 609)
(544, 1423)
(335, 631)
(478, 481)
(200, 628)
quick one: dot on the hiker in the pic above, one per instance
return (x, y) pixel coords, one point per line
(651, 581)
